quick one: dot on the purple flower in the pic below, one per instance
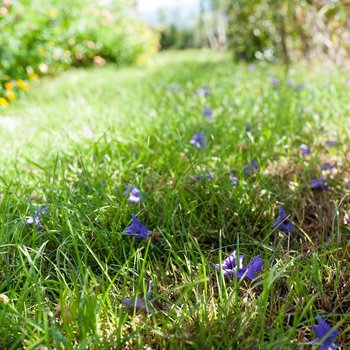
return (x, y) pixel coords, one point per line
(207, 112)
(174, 88)
(229, 265)
(326, 336)
(290, 82)
(137, 229)
(327, 166)
(198, 140)
(304, 149)
(233, 180)
(253, 268)
(35, 220)
(318, 184)
(144, 304)
(331, 143)
(282, 223)
(204, 176)
(134, 193)
(250, 168)
(252, 67)
(274, 81)
(203, 91)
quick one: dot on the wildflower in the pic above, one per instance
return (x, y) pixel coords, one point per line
(134, 193)
(282, 223)
(99, 60)
(290, 82)
(327, 166)
(250, 168)
(198, 140)
(44, 68)
(32, 75)
(144, 304)
(318, 184)
(274, 81)
(326, 336)
(23, 85)
(10, 95)
(204, 176)
(8, 86)
(35, 220)
(203, 91)
(53, 13)
(252, 67)
(87, 132)
(207, 112)
(229, 265)
(174, 88)
(137, 229)
(4, 11)
(331, 143)
(304, 149)
(42, 52)
(233, 180)
(4, 299)
(253, 268)
(3, 102)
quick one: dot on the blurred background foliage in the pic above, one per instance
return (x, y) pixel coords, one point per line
(272, 30)
(46, 36)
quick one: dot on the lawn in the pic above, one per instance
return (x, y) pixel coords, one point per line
(210, 183)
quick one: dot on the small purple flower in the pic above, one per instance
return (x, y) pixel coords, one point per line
(331, 143)
(291, 82)
(137, 229)
(283, 223)
(274, 81)
(252, 67)
(233, 180)
(251, 168)
(304, 149)
(327, 166)
(204, 176)
(253, 268)
(203, 91)
(198, 140)
(318, 184)
(174, 88)
(229, 265)
(207, 112)
(326, 335)
(134, 193)
(35, 220)
(144, 304)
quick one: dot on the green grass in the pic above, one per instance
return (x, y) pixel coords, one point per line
(82, 264)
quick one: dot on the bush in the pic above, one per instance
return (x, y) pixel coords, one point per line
(44, 37)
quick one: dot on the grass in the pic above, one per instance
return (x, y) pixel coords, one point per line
(66, 284)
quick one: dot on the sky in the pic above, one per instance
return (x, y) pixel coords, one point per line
(179, 10)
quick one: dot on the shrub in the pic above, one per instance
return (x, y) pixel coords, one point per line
(44, 37)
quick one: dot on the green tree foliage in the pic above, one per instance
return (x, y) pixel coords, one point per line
(286, 29)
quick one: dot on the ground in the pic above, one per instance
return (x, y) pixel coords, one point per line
(74, 141)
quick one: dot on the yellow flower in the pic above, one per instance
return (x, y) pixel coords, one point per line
(10, 95)
(8, 86)
(32, 75)
(3, 102)
(42, 52)
(23, 85)
(53, 13)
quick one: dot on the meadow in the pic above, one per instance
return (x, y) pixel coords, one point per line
(204, 152)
